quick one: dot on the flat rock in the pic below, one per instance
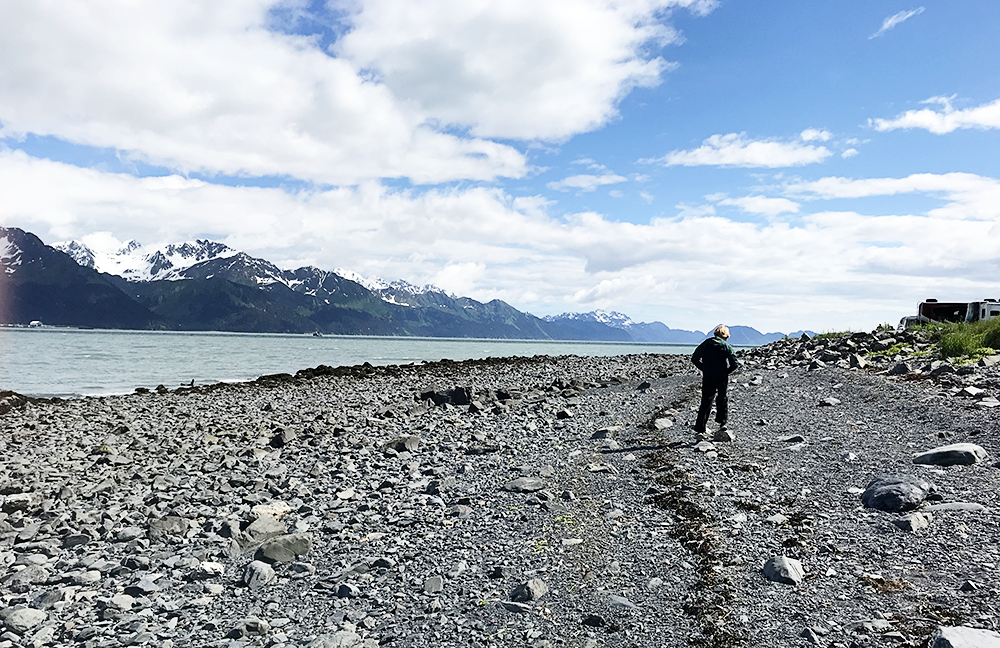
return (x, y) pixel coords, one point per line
(956, 454)
(286, 548)
(524, 485)
(782, 569)
(969, 507)
(896, 493)
(21, 620)
(914, 521)
(963, 637)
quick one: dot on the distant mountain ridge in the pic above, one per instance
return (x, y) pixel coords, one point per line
(206, 285)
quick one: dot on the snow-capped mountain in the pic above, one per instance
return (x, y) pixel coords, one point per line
(135, 262)
(609, 318)
(205, 259)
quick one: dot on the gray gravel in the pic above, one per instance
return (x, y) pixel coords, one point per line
(519, 502)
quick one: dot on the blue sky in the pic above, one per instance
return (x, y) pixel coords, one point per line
(783, 165)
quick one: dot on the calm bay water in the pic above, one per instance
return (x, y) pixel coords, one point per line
(73, 362)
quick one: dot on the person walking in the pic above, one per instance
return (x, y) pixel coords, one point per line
(716, 359)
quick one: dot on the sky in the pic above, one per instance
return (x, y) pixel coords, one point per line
(784, 165)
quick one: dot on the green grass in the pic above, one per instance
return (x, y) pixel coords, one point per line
(972, 341)
(832, 334)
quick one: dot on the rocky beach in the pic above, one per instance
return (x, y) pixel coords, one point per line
(541, 502)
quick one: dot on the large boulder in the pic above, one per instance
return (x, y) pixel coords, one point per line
(896, 493)
(956, 454)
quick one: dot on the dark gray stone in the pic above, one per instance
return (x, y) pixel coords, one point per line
(896, 493)
(956, 454)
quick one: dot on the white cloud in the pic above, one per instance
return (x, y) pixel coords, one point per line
(946, 120)
(482, 243)
(896, 19)
(209, 88)
(969, 196)
(762, 205)
(514, 68)
(646, 197)
(815, 134)
(849, 153)
(736, 150)
(586, 182)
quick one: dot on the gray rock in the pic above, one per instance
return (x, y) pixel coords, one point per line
(404, 444)
(900, 369)
(257, 574)
(341, 639)
(524, 485)
(968, 507)
(286, 548)
(21, 620)
(914, 521)
(963, 637)
(724, 436)
(263, 528)
(829, 401)
(896, 494)
(782, 569)
(434, 584)
(533, 590)
(956, 454)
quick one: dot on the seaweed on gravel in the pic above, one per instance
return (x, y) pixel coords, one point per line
(708, 598)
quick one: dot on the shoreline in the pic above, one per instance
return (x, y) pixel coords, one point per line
(417, 505)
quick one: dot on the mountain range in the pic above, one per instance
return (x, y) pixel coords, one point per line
(206, 285)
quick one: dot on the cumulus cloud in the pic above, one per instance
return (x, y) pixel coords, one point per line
(211, 88)
(736, 150)
(815, 134)
(762, 205)
(849, 153)
(514, 68)
(945, 120)
(896, 19)
(586, 182)
(969, 196)
(482, 243)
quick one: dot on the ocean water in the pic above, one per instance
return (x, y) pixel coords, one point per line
(74, 362)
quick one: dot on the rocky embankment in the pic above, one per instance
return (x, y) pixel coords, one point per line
(541, 502)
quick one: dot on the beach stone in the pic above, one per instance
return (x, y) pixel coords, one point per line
(914, 521)
(264, 528)
(829, 401)
(404, 444)
(433, 585)
(724, 436)
(963, 637)
(782, 569)
(968, 507)
(250, 627)
(900, 369)
(258, 574)
(524, 485)
(286, 548)
(532, 590)
(340, 639)
(663, 424)
(956, 454)
(896, 494)
(21, 620)
(274, 510)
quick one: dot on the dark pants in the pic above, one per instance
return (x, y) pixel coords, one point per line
(716, 389)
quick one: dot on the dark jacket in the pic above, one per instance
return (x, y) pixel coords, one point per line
(715, 358)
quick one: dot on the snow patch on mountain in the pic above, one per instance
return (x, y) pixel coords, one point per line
(610, 318)
(135, 262)
(10, 255)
